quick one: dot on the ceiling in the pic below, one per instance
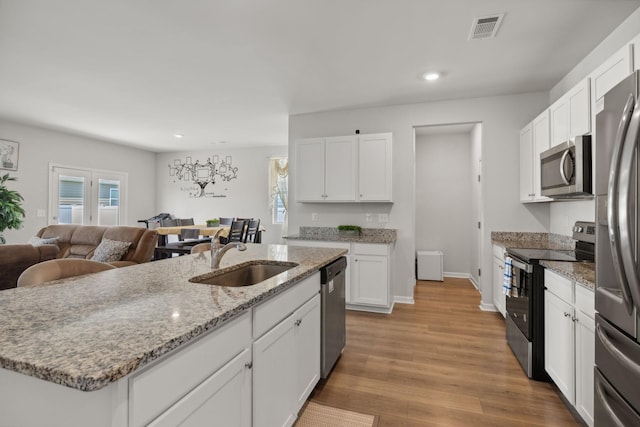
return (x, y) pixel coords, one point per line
(136, 72)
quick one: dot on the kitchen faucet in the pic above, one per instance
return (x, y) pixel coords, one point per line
(217, 251)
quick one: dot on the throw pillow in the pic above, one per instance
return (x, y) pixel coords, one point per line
(110, 250)
(38, 241)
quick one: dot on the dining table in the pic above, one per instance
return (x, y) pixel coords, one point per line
(203, 230)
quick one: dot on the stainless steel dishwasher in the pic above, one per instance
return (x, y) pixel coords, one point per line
(333, 329)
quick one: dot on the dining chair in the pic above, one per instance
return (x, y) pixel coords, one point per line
(168, 222)
(251, 233)
(226, 221)
(186, 221)
(236, 232)
(61, 268)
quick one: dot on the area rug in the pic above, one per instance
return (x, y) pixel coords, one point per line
(317, 415)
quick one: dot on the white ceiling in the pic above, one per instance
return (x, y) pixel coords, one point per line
(137, 71)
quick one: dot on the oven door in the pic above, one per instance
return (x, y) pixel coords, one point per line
(517, 303)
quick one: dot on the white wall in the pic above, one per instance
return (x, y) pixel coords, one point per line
(565, 214)
(501, 118)
(39, 147)
(444, 202)
(247, 196)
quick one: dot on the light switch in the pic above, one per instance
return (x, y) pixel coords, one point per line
(368, 217)
(314, 216)
(41, 213)
(383, 217)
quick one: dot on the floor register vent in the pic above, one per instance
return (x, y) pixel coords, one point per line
(485, 27)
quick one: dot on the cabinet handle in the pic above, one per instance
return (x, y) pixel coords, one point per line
(298, 322)
(574, 319)
(248, 365)
(567, 314)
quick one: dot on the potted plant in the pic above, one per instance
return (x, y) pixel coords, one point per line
(349, 230)
(213, 223)
(11, 211)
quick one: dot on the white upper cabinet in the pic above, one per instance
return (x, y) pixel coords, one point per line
(374, 162)
(611, 72)
(540, 135)
(326, 169)
(571, 114)
(526, 164)
(636, 52)
(355, 168)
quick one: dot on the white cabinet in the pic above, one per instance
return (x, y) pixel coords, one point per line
(534, 139)
(196, 380)
(374, 166)
(527, 192)
(370, 272)
(286, 366)
(326, 169)
(611, 72)
(499, 298)
(569, 329)
(571, 114)
(635, 43)
(224, 397)
(355, 168)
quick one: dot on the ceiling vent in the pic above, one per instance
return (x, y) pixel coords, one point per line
(485, 27)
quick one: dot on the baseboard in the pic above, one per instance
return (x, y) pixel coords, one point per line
(487, 307)
(371, 309)
(462, 276)
(403, 300)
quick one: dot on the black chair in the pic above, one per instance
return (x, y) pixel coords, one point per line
(226, 221)
(168, 222)
(252, 232)
(236, 232)
(186, 221)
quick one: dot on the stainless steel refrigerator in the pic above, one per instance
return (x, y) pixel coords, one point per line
(617, 352)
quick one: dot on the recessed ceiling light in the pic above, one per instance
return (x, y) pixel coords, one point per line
(431, 76)
(178, 135)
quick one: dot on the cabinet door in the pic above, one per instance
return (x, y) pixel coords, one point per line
(585, 361)
(636, 52)
(526, 160)
(310, 170)
(559, 121)
(559, 344)
(611, 72)
(579, 100)
(499, 298)
(274, 379)
(307, 333)
(370, 284)
(540, 129)
(374, 163)
(340, 169)
(223, 399)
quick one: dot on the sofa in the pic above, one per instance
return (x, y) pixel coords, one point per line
(74, 241)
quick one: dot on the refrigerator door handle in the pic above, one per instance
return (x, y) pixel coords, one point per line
(612, 202)
(601, 396)
(627, 243)
(615, 352)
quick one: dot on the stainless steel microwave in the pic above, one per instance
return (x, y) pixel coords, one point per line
(565, 170)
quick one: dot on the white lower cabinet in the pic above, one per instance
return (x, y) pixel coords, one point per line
(569, 329)
(286, 366)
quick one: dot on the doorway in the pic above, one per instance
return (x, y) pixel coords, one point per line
(448, 187)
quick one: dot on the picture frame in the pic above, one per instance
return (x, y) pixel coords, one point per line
(9, 154)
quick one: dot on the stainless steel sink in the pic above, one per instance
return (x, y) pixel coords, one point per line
(247, 274)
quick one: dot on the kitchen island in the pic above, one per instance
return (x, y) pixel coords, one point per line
(79, 349)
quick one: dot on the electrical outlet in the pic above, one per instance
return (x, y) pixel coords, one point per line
(368, 217)
(314, 216)
(383, 217)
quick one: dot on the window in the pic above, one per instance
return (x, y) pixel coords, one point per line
(278, 188)
(75, 199)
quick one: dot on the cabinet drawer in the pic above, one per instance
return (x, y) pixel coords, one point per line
(269, 313)
(152, 391)
(498, 252)
(370, 249)
(560, 286)
(319, 244)
(585, 301)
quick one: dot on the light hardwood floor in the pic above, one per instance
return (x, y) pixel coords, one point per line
(440, 362)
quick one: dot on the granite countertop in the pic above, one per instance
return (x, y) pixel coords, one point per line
(530, 240)
(90, 331)
(330, 234)
(583, 273)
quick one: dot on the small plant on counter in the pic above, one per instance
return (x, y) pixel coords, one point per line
(349, 229)
(11, 211)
